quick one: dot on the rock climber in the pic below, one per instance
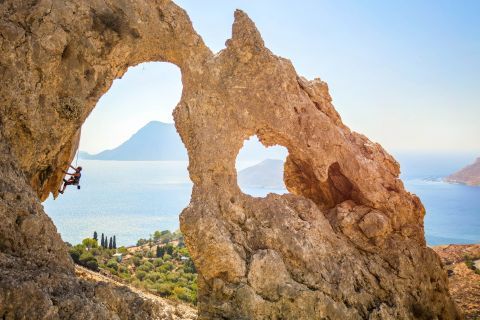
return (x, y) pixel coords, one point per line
(73, 180)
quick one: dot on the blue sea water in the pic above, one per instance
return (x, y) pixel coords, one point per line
(132, 199)
(452, 210)
(129, 199)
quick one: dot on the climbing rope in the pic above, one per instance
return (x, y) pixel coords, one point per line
(76, 161)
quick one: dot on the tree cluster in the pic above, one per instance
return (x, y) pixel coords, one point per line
(106, 243)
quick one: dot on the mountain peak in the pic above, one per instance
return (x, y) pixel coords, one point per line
(156, 141)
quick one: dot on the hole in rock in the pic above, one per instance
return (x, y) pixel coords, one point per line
(134, 185)
(260, 169)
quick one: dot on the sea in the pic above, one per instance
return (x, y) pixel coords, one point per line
(132, 199)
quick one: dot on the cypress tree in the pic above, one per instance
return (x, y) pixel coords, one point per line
(114, 242)
(106, 242)
(110, 245)
(103, 241)
(160, 251)
(95, 235)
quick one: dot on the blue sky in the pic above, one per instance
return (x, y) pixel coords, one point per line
(405, 73)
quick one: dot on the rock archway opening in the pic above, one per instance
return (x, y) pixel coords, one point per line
(124, 220)
(260, 169)
(134, 179)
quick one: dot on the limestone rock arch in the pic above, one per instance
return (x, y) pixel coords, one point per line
(346, 243)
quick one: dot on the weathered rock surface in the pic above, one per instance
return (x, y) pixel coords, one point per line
(470, 175)
(347, 243)
(464, 283)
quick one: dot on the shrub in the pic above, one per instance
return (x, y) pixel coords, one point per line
(122, 250)
(183, 251)
(158, 262)
(147, 266)
(189, 266)
(141, 242)
(153, 276)
(147, 283)
(75, 253)
(166, 267)
(123, 269)
(125, 275)
(156, 235)
(470, 264)
(184, 294)
(140, 274)
(92, 265)
(90, 243)
(112, 264)
(189, 276)
(88, 260)
(164, 289)
(173, 277)
(136, 261)
(112, 271)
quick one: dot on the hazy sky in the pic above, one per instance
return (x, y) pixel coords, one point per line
(405, 73)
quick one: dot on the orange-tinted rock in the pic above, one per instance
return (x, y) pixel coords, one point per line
(347, 243)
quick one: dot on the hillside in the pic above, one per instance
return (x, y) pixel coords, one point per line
(267, 174)
(470, 175)
(161, 265)
(155, 141)
(462, 263)
(164, 308)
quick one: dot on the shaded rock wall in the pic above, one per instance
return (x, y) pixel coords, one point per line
(347, 243)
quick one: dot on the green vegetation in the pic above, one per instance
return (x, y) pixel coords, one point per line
(470, 262)
(161, 264)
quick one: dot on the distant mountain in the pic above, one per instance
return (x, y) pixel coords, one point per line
(253, 150)
(155, 141)
(85, 155)
(267, 174)
(470, 175)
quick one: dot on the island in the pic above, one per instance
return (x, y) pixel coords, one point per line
(470, 175)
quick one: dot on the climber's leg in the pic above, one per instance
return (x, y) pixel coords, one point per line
(65, 184)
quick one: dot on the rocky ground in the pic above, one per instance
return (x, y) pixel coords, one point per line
(464, 281)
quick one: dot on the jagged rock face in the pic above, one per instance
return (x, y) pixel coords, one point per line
(346, 243)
